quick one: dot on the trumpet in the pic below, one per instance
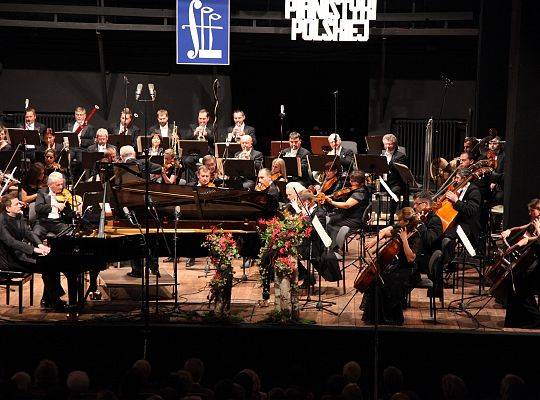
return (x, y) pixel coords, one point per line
(200, 131)
(235, 134)
(175, 142)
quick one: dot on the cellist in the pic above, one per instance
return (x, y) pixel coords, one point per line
(467, 202)
(521, 306)
(393, 286)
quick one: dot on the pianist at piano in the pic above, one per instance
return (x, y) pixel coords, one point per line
(18, 248)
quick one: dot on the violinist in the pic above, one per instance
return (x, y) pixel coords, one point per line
(393, 286)
(292, 190)
(209, 161)
(521, 306)
(203, 178)
(467, 202)
(155, 147)
(279, 170)
(32, 182)
(171, 168)
(4, 144)
(265, 183)
(330, 183)
(350, 210)
(50, 162)
(48, 208)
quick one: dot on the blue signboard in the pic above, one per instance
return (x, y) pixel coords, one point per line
(202, 32)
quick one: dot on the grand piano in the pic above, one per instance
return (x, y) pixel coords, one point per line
(201, 209)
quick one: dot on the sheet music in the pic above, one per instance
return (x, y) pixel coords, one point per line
(387, 188)
(327, 241)
(465, 240)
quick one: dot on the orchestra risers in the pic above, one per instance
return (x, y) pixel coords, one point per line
(117, 285)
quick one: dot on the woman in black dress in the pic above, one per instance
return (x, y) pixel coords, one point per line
(393, 286)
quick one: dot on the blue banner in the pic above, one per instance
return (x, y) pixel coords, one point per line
(202, 32)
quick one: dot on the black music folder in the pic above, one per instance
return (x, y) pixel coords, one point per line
(236, 167)
(374, 144)
(317, 162)
(219, 149)
(372, 164)
(89, 159)
(21, 136)
(120, 140)
(198, 147)
(71, 137)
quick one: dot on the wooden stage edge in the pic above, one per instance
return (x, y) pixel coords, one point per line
(120, 303)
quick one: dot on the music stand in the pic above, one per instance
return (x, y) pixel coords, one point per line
(372, 164)
(198, 147)
(89, 187)
(219, 148)
(17, 136)
(319, 144)
(145, 142)
(406, 175)
(292, 164)
(374, 144)
(239, 168)
(120, 140)
(72, 137)
(276, 146)
(154, 159)
(317, 162)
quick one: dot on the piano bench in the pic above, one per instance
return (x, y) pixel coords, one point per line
(18, 279)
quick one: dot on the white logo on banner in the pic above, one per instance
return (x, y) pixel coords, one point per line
(331, 20)
(202, 45)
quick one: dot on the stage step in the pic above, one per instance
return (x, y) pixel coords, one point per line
(119, 286)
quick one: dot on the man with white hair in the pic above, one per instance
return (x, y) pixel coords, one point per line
(345, 156)
(128, 156)
(48, 209)
(249, 153)
(393, 178)
(101, 144)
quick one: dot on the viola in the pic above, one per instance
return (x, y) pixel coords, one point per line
(276, 176)
(261, 187)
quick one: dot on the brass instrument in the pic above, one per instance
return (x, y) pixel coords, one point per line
(200, 133)
(175, 140)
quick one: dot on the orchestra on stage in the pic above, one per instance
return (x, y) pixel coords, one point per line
(101, 182)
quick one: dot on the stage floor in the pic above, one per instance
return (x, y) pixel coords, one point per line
(120, 294)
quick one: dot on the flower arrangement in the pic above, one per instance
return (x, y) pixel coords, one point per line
(281, 238)
(222, 250)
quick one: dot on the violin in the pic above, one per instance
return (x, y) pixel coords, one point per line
(328, 183)
(275, 176)
(338, 194)
(66, 197)
(261, 187)
(492, 156)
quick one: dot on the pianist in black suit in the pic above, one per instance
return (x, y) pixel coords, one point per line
(87, 133)
(234, 133)
(393, 179)
(19, 247)
(30, 123)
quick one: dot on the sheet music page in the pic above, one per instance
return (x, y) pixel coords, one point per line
(327, 241)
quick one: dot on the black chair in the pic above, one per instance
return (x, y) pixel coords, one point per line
(433, 283)
(17, 279)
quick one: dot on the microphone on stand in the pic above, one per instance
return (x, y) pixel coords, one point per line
(152, 90)
(282, 111)
(126, 81)
(177, 213)
(138, 91)
(129, 216)
(336, 92)
(26, 104)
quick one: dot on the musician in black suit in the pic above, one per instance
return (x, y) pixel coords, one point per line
(249, 153)
(30, 123)
(4, 145)
(234, 133)
(19, 246)
(202, 130)
(48, 209)
(49, 142)
(346, 156)
(467, 202)
(87, 133)
(163, 127)
(101, 144)
(265, 183)
(126, 126)
(295, 149)
(393, 178)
